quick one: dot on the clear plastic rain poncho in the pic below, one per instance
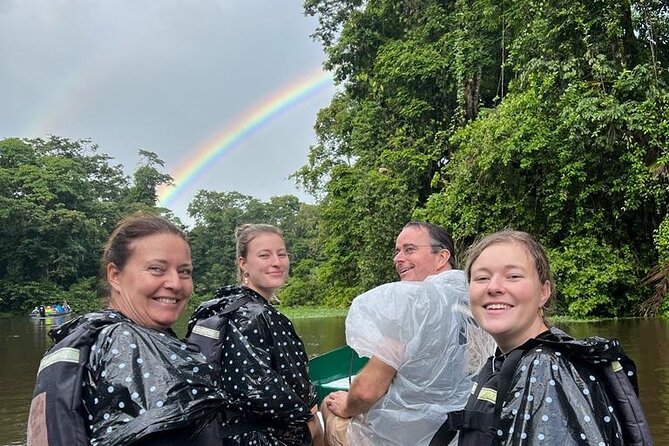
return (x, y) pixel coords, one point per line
(421, 330)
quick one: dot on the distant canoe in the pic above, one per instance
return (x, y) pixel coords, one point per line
(47, 311)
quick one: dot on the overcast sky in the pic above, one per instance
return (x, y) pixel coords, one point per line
(165, 76)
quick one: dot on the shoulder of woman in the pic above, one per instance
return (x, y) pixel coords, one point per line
(113, 333)
(593, 350)
(542, 357)
(128, 336)
(231, 292)
(84, 329)
(226, 300)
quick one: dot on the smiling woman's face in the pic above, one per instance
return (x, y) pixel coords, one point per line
(267, 264)
(156, 282)
(506, 294)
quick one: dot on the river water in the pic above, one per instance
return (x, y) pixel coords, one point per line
(23, 342)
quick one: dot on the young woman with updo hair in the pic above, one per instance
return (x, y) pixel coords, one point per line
(262, 363)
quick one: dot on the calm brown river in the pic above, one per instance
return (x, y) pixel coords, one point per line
(23, 341)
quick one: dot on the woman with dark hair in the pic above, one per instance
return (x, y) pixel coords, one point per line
(121, 376)
(261, 359)
(542, 386)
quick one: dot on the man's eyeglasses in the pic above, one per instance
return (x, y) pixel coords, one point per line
(410, 249)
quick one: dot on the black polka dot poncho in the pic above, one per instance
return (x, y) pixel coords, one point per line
(263, 367)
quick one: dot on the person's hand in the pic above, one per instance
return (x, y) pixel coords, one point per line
(336, 402)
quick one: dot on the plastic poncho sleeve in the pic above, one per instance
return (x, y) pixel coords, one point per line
(264, 367)
(382, 322)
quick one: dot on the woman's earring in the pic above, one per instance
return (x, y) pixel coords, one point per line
(246, 278)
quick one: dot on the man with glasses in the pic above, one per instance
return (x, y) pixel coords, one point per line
(419, 336)
(422, 250)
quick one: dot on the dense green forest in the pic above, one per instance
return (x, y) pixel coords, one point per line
(545, 116)
(60, 200)
(541, 115)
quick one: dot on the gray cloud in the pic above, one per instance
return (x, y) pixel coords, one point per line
(162, 75)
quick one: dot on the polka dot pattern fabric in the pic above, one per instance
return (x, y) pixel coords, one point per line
(556, 390)
(557, 402)
(264, 375)
(140, 381)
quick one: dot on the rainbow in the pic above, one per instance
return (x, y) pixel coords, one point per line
(211, 151)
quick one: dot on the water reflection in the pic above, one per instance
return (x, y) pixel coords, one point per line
(50, 322)
(23, 341)
(321, 335)
(646, 341)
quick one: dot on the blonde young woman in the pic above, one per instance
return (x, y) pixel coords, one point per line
(261, 359)
(542, 386)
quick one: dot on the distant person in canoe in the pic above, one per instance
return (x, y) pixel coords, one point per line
(261, 359)
(120, 376)
(541, 386)
(50, 310)
(423, 344)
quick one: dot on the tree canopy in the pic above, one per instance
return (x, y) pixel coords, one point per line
(60, 199)
(545, 116)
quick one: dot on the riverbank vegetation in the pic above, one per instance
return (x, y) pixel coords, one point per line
(549, 117)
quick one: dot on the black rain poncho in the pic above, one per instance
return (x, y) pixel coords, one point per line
(263, 367)
(561, 392)
(109, 381)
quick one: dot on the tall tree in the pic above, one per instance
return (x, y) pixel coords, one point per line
(147, 177)
(411, 73)
(59, 200)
